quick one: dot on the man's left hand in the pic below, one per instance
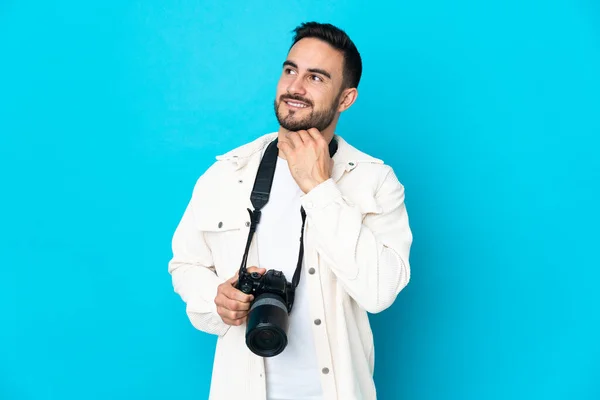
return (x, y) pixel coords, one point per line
(307, 154)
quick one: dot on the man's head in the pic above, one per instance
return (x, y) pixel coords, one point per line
(319, 79)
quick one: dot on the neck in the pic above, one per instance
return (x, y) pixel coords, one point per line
(327, 133)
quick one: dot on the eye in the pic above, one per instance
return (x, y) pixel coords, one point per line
(288, 71)
(316, 78)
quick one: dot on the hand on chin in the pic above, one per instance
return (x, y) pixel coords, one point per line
(307, 154)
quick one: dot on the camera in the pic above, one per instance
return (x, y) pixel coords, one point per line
(266, 330)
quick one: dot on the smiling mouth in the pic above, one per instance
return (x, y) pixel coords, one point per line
(296, 104)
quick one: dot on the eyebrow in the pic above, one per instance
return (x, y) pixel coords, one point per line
(314, 70)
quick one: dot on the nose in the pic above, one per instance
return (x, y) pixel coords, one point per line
(296, 86)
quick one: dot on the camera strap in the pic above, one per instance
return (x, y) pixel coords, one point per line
(260, 197)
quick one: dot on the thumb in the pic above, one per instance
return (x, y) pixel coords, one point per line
(257, 269)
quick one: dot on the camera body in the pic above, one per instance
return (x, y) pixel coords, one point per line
(272, 282)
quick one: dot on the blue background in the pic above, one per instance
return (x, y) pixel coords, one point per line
(489, 113)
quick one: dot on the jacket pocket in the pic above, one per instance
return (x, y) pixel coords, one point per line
(225, 234)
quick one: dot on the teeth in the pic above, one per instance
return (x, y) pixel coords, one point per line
(296, 104)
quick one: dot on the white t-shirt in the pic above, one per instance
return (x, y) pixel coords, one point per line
(294, 373)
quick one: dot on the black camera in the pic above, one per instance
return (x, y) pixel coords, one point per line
(266, 330)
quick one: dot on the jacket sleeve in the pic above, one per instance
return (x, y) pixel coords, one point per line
(194, 277)
(368, 256)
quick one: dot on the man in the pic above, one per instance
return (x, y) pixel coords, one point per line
(356, 238)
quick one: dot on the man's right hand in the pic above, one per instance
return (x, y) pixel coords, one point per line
(233, 305)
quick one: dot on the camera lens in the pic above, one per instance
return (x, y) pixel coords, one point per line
(267, 339)
(265, 336)
(266, 333)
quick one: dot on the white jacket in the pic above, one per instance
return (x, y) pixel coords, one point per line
(357, 243)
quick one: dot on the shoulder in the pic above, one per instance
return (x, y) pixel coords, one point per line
(233, 160)
(346, 151)
(362, 169)
(248, 150)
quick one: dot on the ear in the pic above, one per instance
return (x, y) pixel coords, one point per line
(347, 98)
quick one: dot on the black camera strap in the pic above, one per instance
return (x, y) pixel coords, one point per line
(260, 196)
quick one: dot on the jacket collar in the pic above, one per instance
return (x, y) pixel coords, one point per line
(345, 159)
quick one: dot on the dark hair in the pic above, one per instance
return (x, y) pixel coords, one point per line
(339, 40)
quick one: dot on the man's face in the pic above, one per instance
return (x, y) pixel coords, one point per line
(310, 86)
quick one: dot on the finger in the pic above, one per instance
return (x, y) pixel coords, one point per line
(285, 144)
(281, 139)
(234, 305)
(231, 305)
(231, 317)
(227, 292)
(241, 321)
(234, 317)
(294, 137)
(286, 149)
(235, 294)
(305, 137)
(224, 312)
(228, 286)
(233, 322)
(316, 135)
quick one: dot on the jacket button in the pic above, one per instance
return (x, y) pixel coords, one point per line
(317, 321)
(247, 223)
(325, 370)
(220, 224)
(311, 271)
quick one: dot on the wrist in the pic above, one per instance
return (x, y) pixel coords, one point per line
(313, 183)
(321, 196)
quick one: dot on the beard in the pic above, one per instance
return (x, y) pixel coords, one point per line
(319, 119)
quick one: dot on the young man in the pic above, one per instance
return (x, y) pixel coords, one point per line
(356, 238)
